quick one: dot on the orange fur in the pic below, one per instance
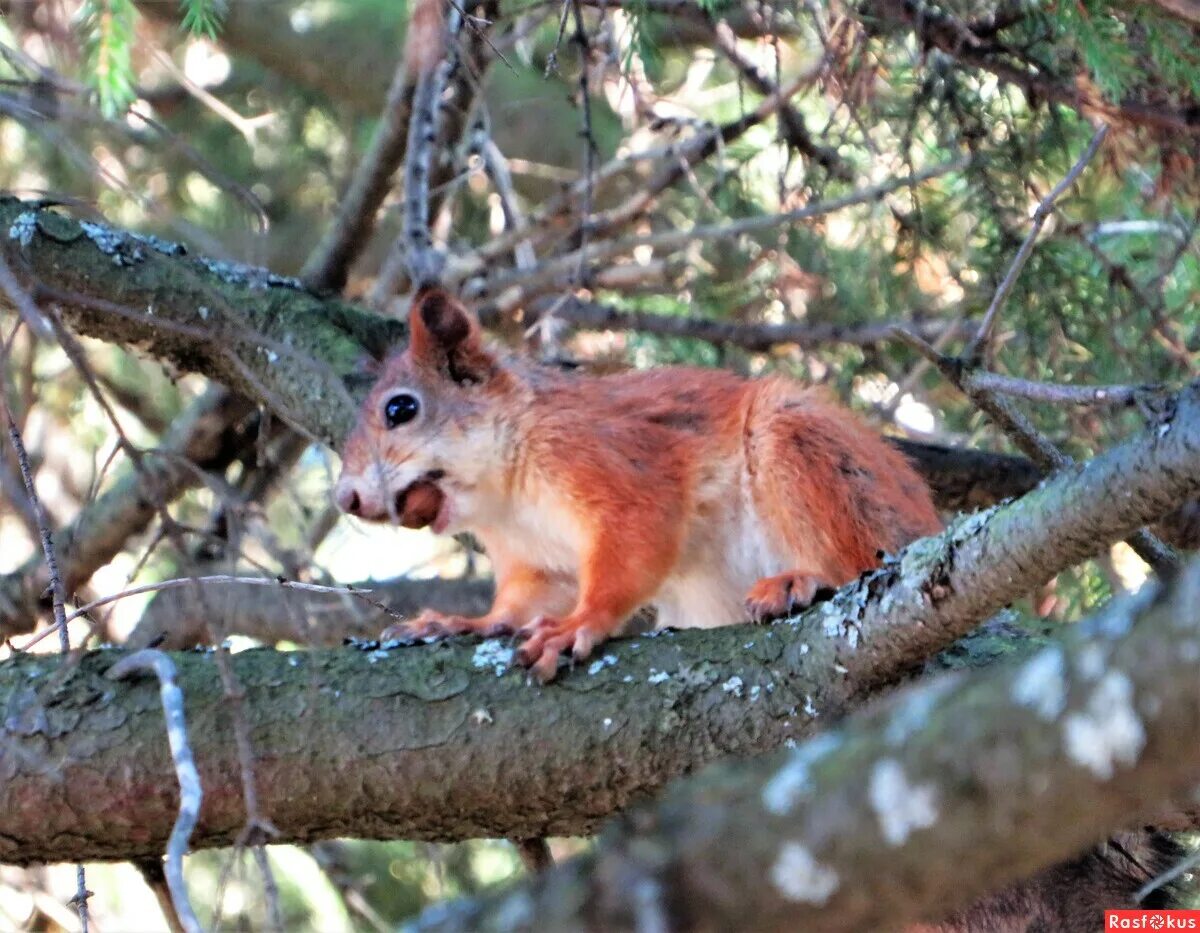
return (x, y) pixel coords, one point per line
(707, 495)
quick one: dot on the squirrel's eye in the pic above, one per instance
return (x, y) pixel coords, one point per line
(400, 409)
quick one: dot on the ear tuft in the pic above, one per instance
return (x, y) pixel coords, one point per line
(444, 335)
(444, 318)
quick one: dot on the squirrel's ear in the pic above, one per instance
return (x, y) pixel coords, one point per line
(445, 336)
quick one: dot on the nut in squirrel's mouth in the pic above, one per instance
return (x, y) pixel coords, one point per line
(422, 504)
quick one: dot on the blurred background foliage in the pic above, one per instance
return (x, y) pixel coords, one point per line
(235, 126)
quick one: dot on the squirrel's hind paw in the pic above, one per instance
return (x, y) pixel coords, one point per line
(776, 596)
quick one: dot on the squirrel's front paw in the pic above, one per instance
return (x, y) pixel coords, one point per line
(433, 624)
(546, 639)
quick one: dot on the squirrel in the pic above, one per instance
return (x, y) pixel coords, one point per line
(712, 497)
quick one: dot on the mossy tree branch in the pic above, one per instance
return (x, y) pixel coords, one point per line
(260, 334)
(907, 811)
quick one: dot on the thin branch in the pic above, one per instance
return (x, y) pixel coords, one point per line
(58, 595)
(795, 132)
(179, 619)
(495, 166)
(978, 346)
(151, 870)
(676, 162)
(329, 857)
(197, 581)
(1030, 441)
(535, 854)
(1104, 396)
(190, 792)
(587, 134)
(204, 437)
(670, 240)
(270, 889)
(80, 899)
(758, 338)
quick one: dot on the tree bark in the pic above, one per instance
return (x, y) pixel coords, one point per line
(366, 743)
(260, 334)
(946, 792)
(175, 618)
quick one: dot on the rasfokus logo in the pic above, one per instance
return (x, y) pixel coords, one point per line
(1152, 920)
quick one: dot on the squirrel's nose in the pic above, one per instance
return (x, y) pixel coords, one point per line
(348, 500)
(354, 497)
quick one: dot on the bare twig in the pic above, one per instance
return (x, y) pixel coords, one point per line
(270, 889)
(589, 142)
(670, 240)
(1105, 396)
(328, 855)
(591, 315)
(535, 854)
(57, 592)
(978, 346)
(495, 166)
(190, 792)
(795, 132)
(151, 870)
(677, 161)
(425, 261)
(80, 900)
(257, 828)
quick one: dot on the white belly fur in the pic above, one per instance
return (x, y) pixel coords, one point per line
(729, 553)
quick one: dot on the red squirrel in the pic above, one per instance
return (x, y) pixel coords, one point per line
(712, 497)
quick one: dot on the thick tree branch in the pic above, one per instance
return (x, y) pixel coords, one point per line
(1184, 9)
(373, 738)
(179, 616)
(260, 334)
(349, 59)
(965, 783)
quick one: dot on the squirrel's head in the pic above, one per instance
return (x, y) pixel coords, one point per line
(431, 433)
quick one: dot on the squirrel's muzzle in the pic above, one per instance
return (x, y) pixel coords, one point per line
(415, 506)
